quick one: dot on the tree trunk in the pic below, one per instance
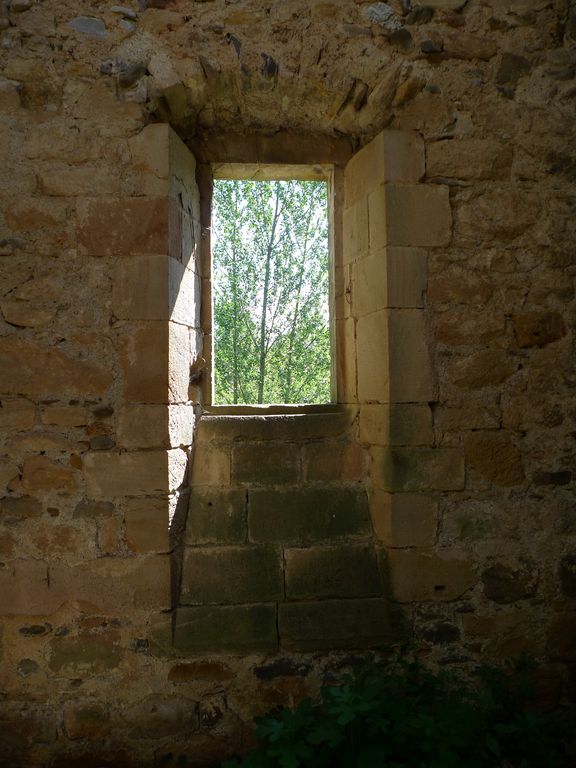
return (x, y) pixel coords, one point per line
(269, 251)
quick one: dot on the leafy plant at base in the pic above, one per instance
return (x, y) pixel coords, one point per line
(403, 715)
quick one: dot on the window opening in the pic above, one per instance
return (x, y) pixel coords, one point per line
(270, 291)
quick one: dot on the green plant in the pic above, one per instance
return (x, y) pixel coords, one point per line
(402, 715)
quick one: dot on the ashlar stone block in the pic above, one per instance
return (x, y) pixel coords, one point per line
(111, 474)
(147, 525)
(355, 240)
(33, 587)
(393, 358)
(31, 369)
(329, 572)
(211, 464)
(221, 575)
(392, 277)
(418, 469)
(494, 457)
(409, 215)
(226, 629)
(396, 424)
(140, 287)
(265, 464)
(40, 475)
(333, 624)
(427, 576)
(404, 519)
(307, 515)
(334, 461)
(155, 426)
(16, 413)
(391, 156)
(346, 361)
(119, 227)
(150, 153)
(217, 516)
(155, 360)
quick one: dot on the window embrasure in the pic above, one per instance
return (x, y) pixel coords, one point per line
(271, 285)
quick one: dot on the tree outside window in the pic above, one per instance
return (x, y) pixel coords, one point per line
(270, 275)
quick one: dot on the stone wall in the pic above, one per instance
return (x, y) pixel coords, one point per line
(455, 315)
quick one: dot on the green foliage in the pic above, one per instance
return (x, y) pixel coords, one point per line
(270, 279)
(401, 715)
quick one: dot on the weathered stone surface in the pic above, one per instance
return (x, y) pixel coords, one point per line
(303, 516)
(35, 588)
(265, 464)
(282, 667)
(155, 426)
(469, 327)
(40, 474)
(538, 329)
(86, 721)
(17, 413)
(163, 377)
(394, 277)
(65, 415)
(396, 424)
(321, 572)
(63, 181)
(212, 671)
(355, 241)
(328, 461)
(484, 369)
(501, 213)
(122, 227)
(507, 583)
(460, 286)
(162, 715)
(140, 473)
(460, 45)
(280, 427)
(36, 213)
(222, 575)
(85, 654)
(423, 576)
(455, 5)
(391, 156)
(404, 519)
(441, 633)
(30, 369)
(567, 573)
(493, 455)
(511, 68)
(147, 525)
(89, 25)
(25, 315)
(469, 159)
(417, 469)
(561, 644)
(231, 629)
(563, 477)
(217, 516)
(331, 624)
(93, 509)
(409, 215)
(21, 506)
(393, 358)
(9, 471)
(212, 464)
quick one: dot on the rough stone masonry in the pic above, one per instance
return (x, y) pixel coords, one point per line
(166, 574)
